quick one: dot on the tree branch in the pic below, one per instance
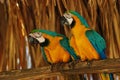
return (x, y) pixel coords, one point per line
(106, 66)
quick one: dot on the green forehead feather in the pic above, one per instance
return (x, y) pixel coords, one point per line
(51, 33)
(35, 30)
(83, 21)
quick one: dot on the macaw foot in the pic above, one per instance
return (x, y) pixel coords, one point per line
(89, 63)
(57, 66)
(53, 67)
(73, 63)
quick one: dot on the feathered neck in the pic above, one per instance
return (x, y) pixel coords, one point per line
(77, 23)
(78, 28)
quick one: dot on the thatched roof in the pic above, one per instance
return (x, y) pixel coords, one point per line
(19, 17)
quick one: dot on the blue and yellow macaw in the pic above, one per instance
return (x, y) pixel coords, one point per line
(87, 43)
(55, 47)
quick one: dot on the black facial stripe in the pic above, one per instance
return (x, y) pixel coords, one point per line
(46, 43)
(73, 24)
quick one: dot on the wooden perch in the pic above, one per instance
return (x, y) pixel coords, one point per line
(106, 66)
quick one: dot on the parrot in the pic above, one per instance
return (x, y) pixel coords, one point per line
(86, 42)
(55, 47)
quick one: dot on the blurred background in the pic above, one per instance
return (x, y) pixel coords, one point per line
(19, 17)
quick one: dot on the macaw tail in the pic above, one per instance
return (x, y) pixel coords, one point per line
(104, 76)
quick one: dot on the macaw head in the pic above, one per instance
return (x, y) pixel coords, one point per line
(36, 38)
(69, 20)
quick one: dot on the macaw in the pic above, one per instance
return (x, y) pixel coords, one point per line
(86, 42)
(55, 47)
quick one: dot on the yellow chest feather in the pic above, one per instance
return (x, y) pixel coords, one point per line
(55, 52)
(81, 44)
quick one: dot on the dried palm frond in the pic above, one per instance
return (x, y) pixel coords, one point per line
(21, 16)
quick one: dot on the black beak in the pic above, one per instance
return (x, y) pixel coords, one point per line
(32, 40)
(63, 20)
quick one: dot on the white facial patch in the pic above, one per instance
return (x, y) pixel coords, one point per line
(70, 21)
(69, 18)
(38, 36)
(41, 39)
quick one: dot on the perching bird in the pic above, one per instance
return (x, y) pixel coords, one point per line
(87, 43)
(55, 47)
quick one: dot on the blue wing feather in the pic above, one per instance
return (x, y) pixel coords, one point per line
(65, 43)
(98, 42)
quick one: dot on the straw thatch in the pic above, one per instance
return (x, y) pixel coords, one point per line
(19, 17)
